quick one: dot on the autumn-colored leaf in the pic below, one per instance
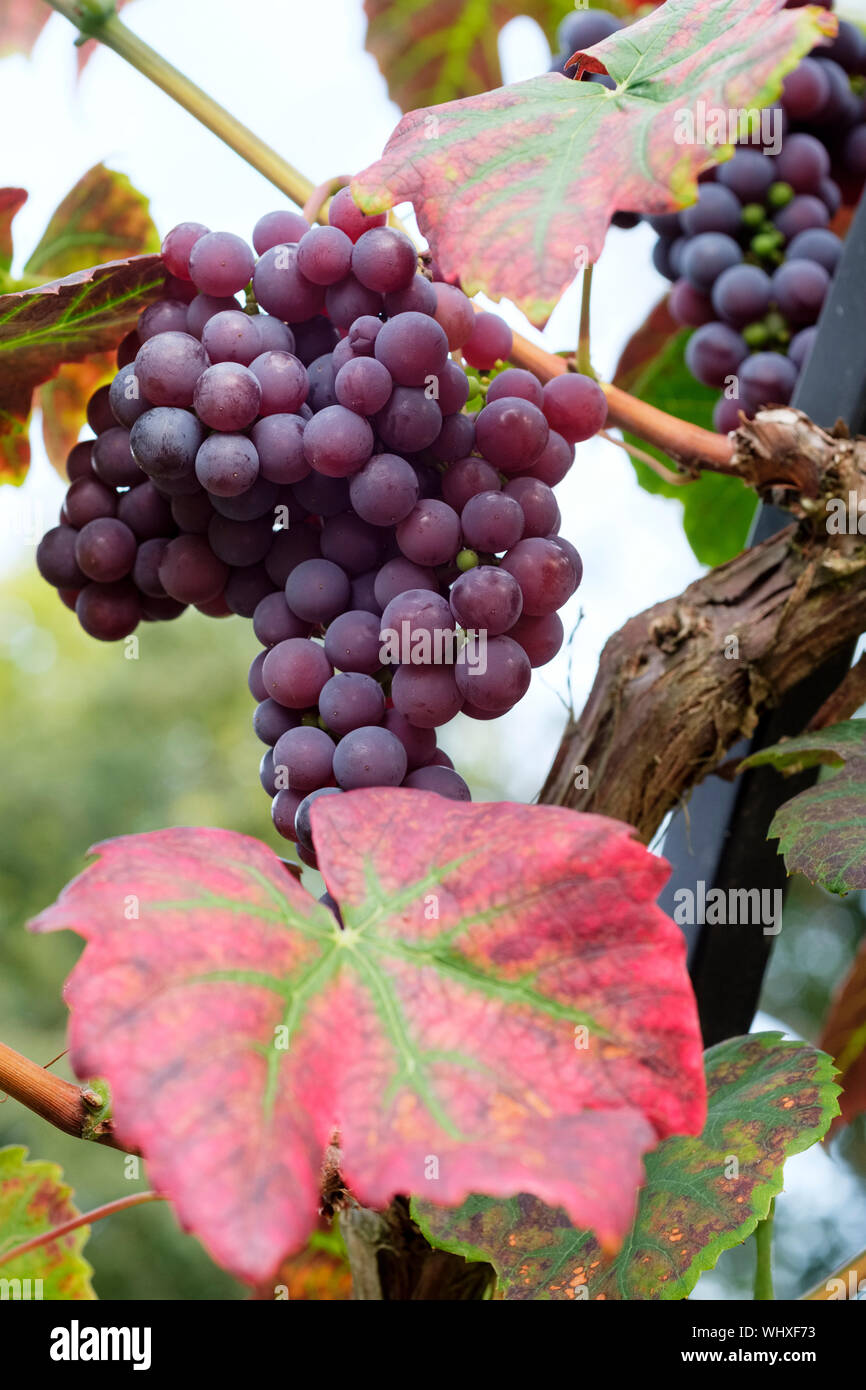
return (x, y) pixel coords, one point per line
(63, 402)
(767, 1099)
(844, 1037)
(431, 51)
(514, 188)
(34, 1199)
(717, 511)
(319, 1273)
(11, 199)
(103, 218)
(64, 321)
(506, 1004)
(22, 21)
(822, 831)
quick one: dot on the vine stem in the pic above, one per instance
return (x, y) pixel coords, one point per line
(857, 1267)
(764, 1257)
(97, 23)
(59, 1102)
(135, 1199)
(584, 360)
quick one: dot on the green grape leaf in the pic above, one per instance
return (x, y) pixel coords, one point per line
(717, 511)
(34, 1199)
(515, 188)
(822, 831)
(102, 218)
(767, 1099)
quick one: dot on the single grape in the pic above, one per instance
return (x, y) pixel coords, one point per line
(343, 212)
(817, 244)
(190, 572)
(322, 377)
(113, 461)
(540, 638)
(231, 336)
(465, 479)
(492, 522)
(363, 385)
(717, 209)
(160, 610)
(800, 288)
(419, 298)
(430, 534)
(427, 696)
(487, 599)
(99, 413)
(274, 621)
(220, 263)
(545, 573)
(511, 433)
(493, 674)
(267, 770)
(455, 440)
(79, 461)
(271, 721)
(578, 32)
(240, 542)
(805, 90)
(87, 499)
(108, 611)
(515, 382)
(398, 575)
(204, 307)
(165, 316)
(410, 422)
(363, 334)
(801, 345)
(384, 260)
(369, 757)
(256, 501)
(767, 378)
(350, 701)
(455, 315)
(294, 671)
(742, 294)
(303, 759)
(255, 678)
(363, 597)
(490, 341)
(279, 443)
(538, 504)
(278, 228)
(413, 347)
(303, 827)
(575, 407)
(706, 256)
(281, 288)
(177, 245)
(337, 442)
(417, 626)
(145, 512)
(803, 162)
(282, 378)
(714, 353)
(444, 781)
(350, 300)
(352, 642)
(801, 215)
(283, 811)
(227, 464)
(56, 562)
(126, 398)
(452, 387)
(554, 462)
(318, 590)
(324, 255)
(168, 368)
(145, 571)
(420, 744)
(227, 396)
(385, 490)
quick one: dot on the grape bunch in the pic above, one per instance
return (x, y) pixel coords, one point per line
(308, 461)
(753, 259)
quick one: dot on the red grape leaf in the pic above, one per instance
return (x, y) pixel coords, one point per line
(431, 51)
(11, 199)
(22, 21)
(822, 831)
(767, 1099)
(506, 1006)
(515, 188)
(844, 1037)
(34, 1199)
(64, 321)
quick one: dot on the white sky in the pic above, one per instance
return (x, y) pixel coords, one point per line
(298, 75)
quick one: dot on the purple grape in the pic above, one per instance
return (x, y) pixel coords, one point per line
(350, 300)
(418, 298)
(126, 398)
(718, 209)
(575, 408)
(282, 290)
(322, 376)
(268, 772)
(322, 496)
(190, 572)
(487, 599)
(337, 442)
(288, 549)
(805, 90)
(514, 382)
(545, 573)
(278, 228)
(706, 257)
(284, 808)
(817, 244)
(271, 721)
(274, 621)
(385, 490)
(444, 781)
(538, 504)
(410, 422)
(294, 671)
(430, 534)
(108, 612)
(227, 396)
(168, 368)
(540, 638)
(384, 260)
(166, 316)
(145, 571)
(426, 695)
(105, 550)
(398, 575)
(369, 757)
(324, 255)
(245, 588)
(318, 590)
(255, 502)
(800, 288)
(145, 512)
(352, 642)
(227, 464)
(256, 680)
(79, 462)
(350, 701)
(511, 433)
(714, 353)
(56, 562)
(113, 461)
(455, 440)
(492, 522)
(231, 336)
(220, 263)
(203, 308)
(418, 620)
(742, 295)
(343, 212)
(303, 758)
(99, 413)
(351, 542)
(801, 215)
(283, 381)
(160, 610)
(453, 388)
(767, 378)
(177, 245)
(420, 744)
(467, 478)
(454, 314)
(801, 345)
(165, 442)
(304, 830)
(494, 676)
(240, 542)
(748, 175)
(279, 443)
(490, 341)
(363, 334)
(363, 384)
(413, 347)
(364, 594)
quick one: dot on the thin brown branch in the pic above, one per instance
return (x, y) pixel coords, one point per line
(87, 1218)
(68, 1107)
(845, 700)
(673, 479)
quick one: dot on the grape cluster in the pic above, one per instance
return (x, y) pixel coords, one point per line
(753, 259)
(308, 461)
